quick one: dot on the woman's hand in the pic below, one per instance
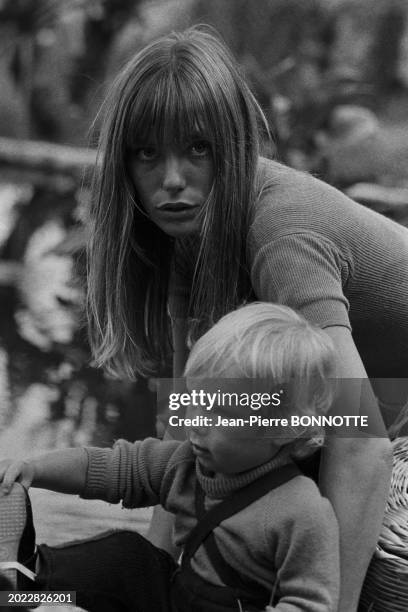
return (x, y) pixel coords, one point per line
(12, 471)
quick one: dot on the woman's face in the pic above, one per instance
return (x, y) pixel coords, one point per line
(173, 182)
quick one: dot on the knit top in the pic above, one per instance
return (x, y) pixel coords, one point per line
(291, 533)
(338, 263)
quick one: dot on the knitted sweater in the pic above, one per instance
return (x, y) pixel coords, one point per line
(335, 261)
(290, 534)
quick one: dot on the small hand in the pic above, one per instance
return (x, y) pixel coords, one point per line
(12, 471)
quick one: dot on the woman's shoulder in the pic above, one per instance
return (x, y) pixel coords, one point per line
(290, 201)
(288, 186)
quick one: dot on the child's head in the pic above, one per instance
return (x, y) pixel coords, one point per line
(274, 344)
(179, 105)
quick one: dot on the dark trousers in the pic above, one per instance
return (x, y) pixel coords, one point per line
(115, 572)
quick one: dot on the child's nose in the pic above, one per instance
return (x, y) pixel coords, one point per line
(173, 173)
(197, 427)
(199, 430)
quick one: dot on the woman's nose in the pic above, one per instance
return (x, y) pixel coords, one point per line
(173, 173)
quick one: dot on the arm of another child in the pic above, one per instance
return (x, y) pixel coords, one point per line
(63, 471)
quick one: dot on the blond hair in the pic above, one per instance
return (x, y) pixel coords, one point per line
(273, 343)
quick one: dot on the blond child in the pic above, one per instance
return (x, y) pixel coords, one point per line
(254, 532)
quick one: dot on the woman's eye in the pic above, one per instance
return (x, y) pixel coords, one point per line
(146, 153)
(200, 148)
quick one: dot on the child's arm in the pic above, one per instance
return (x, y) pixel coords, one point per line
(62, 470)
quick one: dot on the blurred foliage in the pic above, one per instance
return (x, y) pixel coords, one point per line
(42, 331)
(29, 16)
(56, 53)
(332, 77)
(303, 57)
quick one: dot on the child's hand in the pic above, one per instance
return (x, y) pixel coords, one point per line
(61, 470)
(12, 471)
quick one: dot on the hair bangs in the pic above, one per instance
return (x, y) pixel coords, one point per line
(169, 109)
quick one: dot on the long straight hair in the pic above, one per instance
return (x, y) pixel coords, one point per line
(178, 86)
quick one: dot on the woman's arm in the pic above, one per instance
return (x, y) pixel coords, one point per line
(355, 476)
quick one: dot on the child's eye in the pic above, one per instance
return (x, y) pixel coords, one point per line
(145, 154)
(200, 148)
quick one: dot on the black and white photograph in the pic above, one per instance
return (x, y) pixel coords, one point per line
(204, 305)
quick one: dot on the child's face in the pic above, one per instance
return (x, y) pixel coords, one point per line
(173, 182)
(230, 450)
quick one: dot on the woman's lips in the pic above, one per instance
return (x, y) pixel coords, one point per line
(177, 208)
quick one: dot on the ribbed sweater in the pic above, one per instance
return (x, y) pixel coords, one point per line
(290, 534)
(338, 263)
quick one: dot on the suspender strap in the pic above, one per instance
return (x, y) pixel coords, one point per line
(235, 503)
(226, 573)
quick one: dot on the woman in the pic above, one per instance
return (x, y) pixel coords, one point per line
(189, 221)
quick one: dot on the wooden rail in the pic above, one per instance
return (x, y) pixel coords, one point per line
(45, 163)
